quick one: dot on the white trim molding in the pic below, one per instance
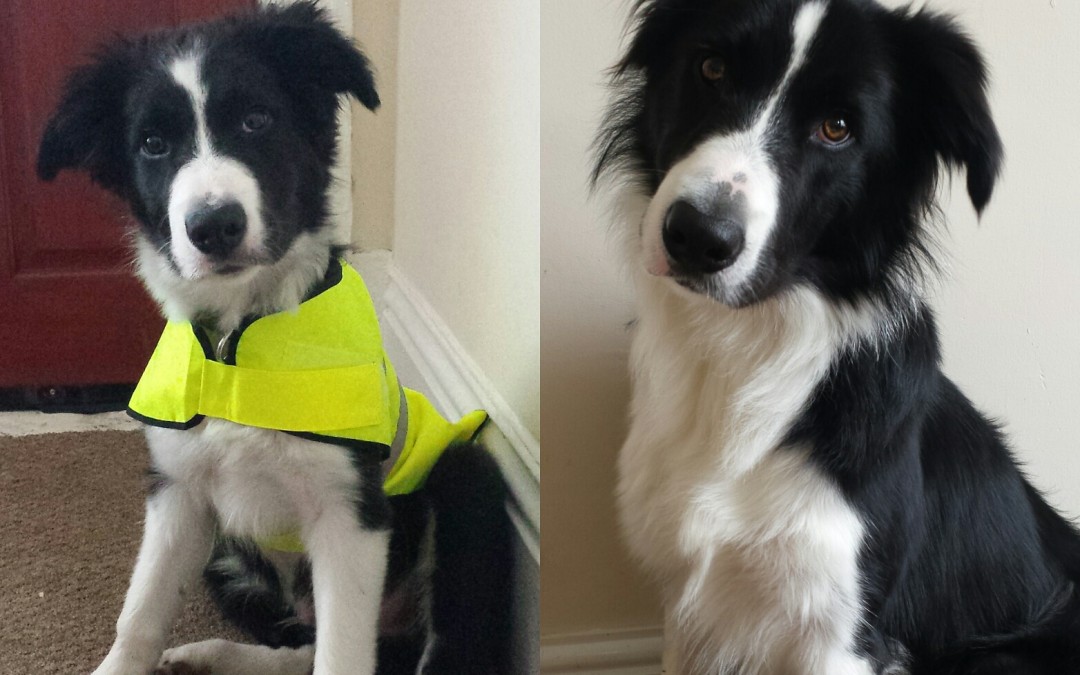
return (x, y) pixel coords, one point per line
(456, 385)
(629, 652)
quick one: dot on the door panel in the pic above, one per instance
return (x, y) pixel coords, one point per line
(71, 313)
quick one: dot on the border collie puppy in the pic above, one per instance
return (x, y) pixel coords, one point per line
(221, 138)
(810, 490)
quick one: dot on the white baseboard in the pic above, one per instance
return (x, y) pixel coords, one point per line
(631, 652)
(456, 385)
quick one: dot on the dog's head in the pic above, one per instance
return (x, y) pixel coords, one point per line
(787, 142)
(220, 136)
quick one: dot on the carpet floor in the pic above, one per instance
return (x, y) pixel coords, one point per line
(71, 512)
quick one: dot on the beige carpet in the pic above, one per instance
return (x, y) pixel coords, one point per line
(71, 509)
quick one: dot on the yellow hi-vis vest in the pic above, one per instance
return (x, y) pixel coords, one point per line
(319, 372)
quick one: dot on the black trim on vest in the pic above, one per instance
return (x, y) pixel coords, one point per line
(330, 279)
(178, 426)
(363, 450)
(204, 341)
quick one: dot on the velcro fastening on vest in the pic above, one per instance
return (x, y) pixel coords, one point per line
(310, 400)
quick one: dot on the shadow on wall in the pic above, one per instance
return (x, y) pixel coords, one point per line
(586, 576)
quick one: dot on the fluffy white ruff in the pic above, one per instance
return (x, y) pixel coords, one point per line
(755, 548)
(261, 289)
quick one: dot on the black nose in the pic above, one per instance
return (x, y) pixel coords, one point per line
(216, 230)
(700, 243)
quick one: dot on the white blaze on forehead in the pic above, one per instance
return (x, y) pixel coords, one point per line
(208, 178)
(805, 27)
(186, 72)
(721, 158)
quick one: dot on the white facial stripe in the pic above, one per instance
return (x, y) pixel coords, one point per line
(185, 71)
(721, 159)
(803, 30)
(208, 179)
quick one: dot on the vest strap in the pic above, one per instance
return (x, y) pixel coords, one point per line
(309, 400)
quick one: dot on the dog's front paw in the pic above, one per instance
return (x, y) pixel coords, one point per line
(181, 668)
(196, 658)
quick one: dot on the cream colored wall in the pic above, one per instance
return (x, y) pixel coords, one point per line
(1010, 311)
(586, 582)
(467, 218)
(375, 28)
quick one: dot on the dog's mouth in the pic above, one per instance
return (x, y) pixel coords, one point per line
(228, 269)
(231, 266)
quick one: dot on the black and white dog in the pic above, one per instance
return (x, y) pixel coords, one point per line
(812, 493)
(237, 119)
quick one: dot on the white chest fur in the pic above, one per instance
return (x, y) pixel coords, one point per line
(755, 548)
(259, 482)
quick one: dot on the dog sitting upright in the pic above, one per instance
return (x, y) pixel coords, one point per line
(283, 450)
(813, 494)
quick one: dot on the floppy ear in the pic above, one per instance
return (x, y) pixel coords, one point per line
(301, 44)
(949, 77)
(87, 129)
(654, 24)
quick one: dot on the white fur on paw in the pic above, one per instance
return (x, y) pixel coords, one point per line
(221, 657)
(197, 658)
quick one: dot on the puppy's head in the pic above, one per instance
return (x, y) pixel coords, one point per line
(788, 142)
(220, 136)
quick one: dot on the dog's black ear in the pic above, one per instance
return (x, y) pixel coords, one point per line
(654, 25)
(948, 78)
(87, 129)
(301, 44)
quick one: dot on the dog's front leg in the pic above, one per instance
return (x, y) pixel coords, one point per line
(176, 544)
(348, 565)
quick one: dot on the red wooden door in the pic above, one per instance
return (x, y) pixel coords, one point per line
(71, 312)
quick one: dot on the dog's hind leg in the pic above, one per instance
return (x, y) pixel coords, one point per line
(471, 604)
(221, 657)
(251, 593)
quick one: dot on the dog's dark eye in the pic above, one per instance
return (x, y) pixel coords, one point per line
(713, 68)
(256, 120)
(835, 130)
(155, 146)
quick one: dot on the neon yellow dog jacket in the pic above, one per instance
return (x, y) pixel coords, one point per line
(319, 372)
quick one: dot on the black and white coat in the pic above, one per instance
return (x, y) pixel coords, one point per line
(813, 495)
(221, 138)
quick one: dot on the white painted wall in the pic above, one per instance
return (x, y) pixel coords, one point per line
(375, 28)
(1010, 311)
(587, 584)
(467, 218)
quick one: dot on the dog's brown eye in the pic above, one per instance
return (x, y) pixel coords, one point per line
(155, 146)
(834, 130)
(713, 68)
(256, 120)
